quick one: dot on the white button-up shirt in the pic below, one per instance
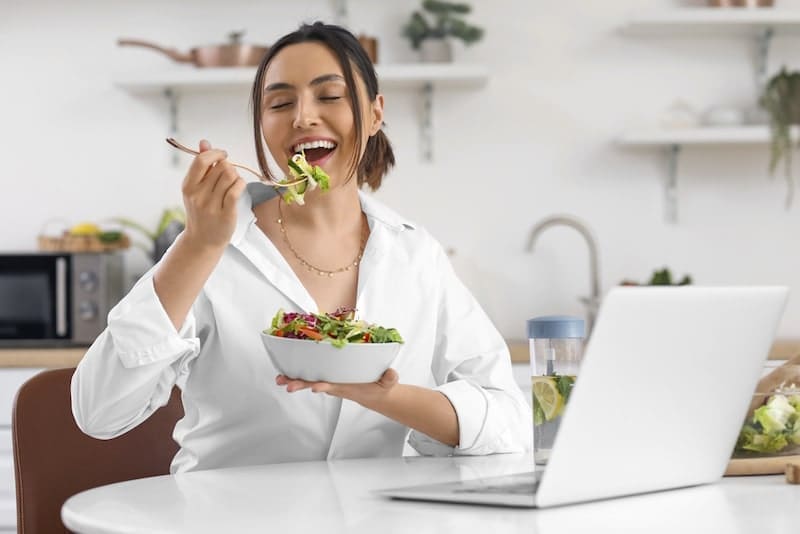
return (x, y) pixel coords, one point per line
(235, 414)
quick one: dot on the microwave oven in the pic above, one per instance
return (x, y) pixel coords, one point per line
(57, 299)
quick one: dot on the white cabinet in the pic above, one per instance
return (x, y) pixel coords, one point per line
(10, 381)
(7, 495)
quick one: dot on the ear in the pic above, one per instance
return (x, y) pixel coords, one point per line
(376, 115)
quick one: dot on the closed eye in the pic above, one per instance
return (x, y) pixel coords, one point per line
(279, 105)
(330, 98)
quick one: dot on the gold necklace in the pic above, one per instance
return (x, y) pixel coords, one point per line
(312, 268)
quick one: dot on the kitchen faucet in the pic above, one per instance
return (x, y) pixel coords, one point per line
(592, 302)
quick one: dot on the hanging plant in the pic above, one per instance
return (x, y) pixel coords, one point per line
(781, 99)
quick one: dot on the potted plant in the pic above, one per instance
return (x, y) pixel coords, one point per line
(429, 30)
(781, 99)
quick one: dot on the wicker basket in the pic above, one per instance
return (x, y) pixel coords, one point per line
(81, 243)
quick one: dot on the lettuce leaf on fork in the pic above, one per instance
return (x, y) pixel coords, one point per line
(315, 177)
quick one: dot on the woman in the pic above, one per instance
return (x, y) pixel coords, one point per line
(195, 319)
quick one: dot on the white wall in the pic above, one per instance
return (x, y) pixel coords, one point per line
(538, 139)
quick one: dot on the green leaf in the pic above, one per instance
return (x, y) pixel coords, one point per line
(295, 169)
(277, 321)
(445, 8)
(168, 216)
(446, 23)
(780, 100)
(321, 178)
(291, 195)
(794, 435)
(130, 223)
(774, 415)
(299, 164)
(564, 385)
(661, 278)
(109, 237)
(766, 443)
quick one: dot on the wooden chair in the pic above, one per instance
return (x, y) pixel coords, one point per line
(54, 459)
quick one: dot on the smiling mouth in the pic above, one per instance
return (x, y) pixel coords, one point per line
(315, 150)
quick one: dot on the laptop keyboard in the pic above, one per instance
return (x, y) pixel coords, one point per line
(506, 484)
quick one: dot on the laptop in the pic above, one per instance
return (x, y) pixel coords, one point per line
(658, 403)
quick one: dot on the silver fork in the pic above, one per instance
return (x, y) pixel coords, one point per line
(261, 177)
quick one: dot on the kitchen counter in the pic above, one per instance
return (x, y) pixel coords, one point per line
(782, 349)
(41, 358)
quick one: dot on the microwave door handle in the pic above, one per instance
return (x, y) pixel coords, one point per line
(61, 297)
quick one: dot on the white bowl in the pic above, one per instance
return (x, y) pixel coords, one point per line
(312, 361)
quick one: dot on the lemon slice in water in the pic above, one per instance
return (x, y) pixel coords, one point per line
(547, 395)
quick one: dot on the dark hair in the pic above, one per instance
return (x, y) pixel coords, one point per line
(378, 156)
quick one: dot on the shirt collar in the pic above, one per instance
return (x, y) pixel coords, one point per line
(377, 211)
(256, 192)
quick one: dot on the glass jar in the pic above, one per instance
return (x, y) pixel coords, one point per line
(556, 350)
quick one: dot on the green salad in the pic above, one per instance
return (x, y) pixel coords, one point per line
(774, 427)
(338, 328)
(299, 168)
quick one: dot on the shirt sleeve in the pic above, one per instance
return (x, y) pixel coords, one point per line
(472, 366)
(130, 369)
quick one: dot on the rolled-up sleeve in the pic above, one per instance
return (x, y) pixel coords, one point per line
(130, 369)
(143, 332)
(472, 368)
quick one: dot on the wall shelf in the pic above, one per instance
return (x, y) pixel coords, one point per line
(424, 77)
(721, 135)
(390, 76)
(759, 24)
(673, 140)
(713, 21)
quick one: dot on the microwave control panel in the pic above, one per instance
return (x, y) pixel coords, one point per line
(97, 285)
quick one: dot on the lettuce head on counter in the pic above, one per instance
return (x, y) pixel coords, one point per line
(774, 427)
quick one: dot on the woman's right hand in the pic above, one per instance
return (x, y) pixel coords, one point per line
(211, 190)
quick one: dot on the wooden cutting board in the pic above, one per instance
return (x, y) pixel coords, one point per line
(774, 465)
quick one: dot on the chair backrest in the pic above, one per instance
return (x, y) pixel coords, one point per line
(54, 459)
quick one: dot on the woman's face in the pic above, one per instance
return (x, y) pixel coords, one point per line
(306, 107)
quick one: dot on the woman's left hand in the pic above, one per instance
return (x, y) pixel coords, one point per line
(365, 394)
(425, 410)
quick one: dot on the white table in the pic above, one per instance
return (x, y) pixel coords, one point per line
(333, 497)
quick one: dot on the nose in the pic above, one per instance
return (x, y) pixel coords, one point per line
(306, 115)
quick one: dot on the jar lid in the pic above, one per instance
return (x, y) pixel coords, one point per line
(556, 326)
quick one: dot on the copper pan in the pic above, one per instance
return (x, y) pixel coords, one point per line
(233, 54)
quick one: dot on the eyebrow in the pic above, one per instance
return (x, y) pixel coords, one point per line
(278, 86)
